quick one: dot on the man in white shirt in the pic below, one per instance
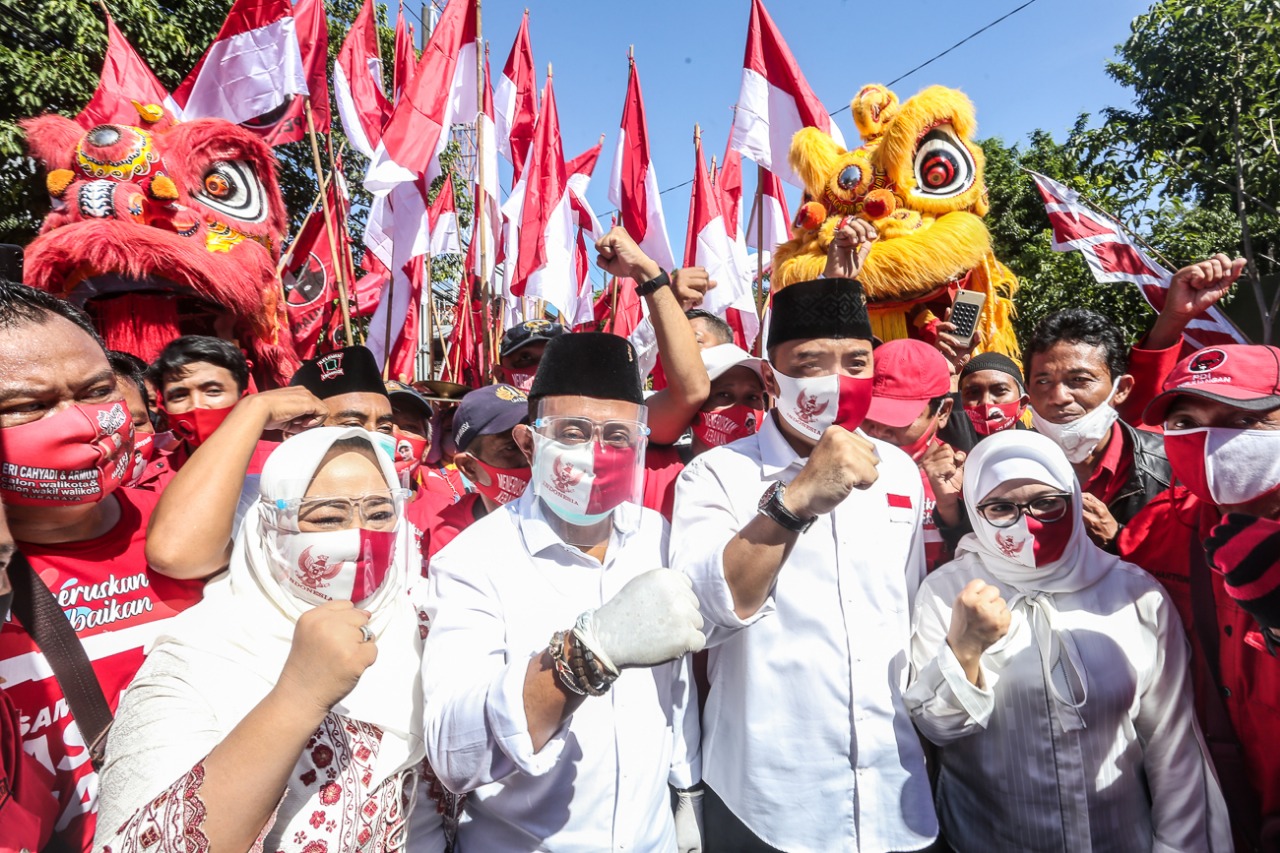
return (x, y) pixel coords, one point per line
(805, 549)
(536, 608)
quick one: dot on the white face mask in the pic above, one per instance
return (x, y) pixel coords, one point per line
(811, 404)
(1080, 437)
(1225, 466)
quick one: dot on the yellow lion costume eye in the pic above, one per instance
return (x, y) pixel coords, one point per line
(918, 177)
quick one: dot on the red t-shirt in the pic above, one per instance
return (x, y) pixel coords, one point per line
(117, 605)
(662, 467)
(28, 809)
(440, 524)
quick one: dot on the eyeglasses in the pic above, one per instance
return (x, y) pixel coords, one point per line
(571, 430)
(1046, 508)
(372, 511)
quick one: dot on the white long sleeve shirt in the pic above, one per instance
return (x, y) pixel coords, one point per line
(805, 736)
(496, 595)
(1134, 779)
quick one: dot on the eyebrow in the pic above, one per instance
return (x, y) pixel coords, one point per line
(352, 413)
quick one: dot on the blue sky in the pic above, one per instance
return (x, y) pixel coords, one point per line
(1038, 69)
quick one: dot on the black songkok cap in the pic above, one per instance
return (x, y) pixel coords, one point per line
(352, 370)
(588, 364)
(823, 308)
(993, 361)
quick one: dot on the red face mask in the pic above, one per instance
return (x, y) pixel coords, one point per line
(409, 452)
(144, 445)
(918, 448)
(78, 456)
(505, 484)
(519, 378)
(727, 425)
(1050, 539)
(196, 425)
(984, 424)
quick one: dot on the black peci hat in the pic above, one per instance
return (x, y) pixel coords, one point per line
(823, 308)
(589, 364)
(352, 370)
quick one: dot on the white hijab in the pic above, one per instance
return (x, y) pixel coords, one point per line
(237, 639)
(1024, 455)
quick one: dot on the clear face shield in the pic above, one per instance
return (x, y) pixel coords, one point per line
(588, 457)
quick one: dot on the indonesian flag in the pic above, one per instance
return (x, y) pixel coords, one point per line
(633, 186)
(313, 41)
(545, 263)
(707, 242)
(441, 93)
(487, 182)
(741, 315)
(1112, 255)
(517, 102)
(405, 57)
(357, 83)
(464, 355)
(587, 227)
(775, 228)
(774, 100)
(125, 79)
(618, 310)
(253, 66)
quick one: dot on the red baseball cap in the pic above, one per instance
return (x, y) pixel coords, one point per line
(1245, 376)
(908, 374)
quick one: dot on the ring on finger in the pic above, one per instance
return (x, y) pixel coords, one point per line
(365, 634)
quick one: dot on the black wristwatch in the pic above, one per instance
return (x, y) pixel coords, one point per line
(771, 507)
(653, 285)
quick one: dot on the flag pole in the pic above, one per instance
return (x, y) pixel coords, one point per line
(477, 221)
(431, 328)
(760, 241)
(328, 223)
(287, 255)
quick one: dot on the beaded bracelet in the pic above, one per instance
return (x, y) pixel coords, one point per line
(556, 649)
(583, 670)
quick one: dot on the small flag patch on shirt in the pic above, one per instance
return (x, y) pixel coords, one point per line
(900, 501)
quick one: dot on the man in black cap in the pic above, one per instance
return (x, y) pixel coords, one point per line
(519, 723)
(342, 388)
(521, 350)
(805, 548)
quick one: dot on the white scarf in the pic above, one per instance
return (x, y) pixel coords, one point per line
(1017, 455)
(236, 640)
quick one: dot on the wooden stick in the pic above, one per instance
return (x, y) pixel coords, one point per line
(287, 255)
(478, 220)
(431, 329)
(328, 224)
(760, 241)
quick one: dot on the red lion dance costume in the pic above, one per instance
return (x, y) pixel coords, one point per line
(164, 229)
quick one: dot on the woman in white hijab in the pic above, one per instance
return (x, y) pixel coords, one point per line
(1064, 719)
(284, 712)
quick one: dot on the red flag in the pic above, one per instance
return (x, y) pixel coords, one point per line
(775, 100)
(741, 315)
(517, 102)
(633, 186)
(357, 83)
(125, 79)
(464, 357)
(252, 68)
(313, 41)
(368, 287)
(617, 309)
(406, 57)
(776, 226)
(310, 281)
(1112, 255)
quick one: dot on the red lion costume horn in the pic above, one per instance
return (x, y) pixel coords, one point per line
(164, 229)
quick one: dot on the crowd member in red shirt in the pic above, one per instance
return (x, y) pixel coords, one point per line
(1220, 409)
(130, 374)
(521, 351)
(490, 458)
(199, 379)
(910, 403)
(65, 448)
(735, 406)
(411, 413)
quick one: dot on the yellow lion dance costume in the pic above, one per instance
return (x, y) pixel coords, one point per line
(918, 177)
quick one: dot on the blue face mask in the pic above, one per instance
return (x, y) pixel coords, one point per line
(385, 443)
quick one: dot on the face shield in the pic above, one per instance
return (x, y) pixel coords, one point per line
(587, 464)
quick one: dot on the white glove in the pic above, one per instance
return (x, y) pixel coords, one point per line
(653, 619)
(689, 821)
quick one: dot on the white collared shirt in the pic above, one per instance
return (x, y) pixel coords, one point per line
(806, 738)
(496, 595)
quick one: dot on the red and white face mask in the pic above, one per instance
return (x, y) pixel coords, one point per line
(519, 378)
(1030, 542)
(194, 426)
(78, 456)
(144, 445)
(1225, 466)
(505, 484)
(335, 565)
(583, 483)
(727, 425)
(993, 418)
(409, 453)
(814, 403)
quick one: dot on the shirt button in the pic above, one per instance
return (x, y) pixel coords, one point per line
(1227, 630)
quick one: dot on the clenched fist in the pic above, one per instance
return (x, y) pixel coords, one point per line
(618, 254)
(328, 655)
(979, 619)
(654, 618)
(944, 466)
(850, 245)
(841, 462)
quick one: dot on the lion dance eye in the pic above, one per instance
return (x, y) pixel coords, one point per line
(217, 185)
(943, 166)
(850, 177)
(232, 188)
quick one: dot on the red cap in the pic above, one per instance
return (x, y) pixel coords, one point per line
(1241, 375)
(908, 374)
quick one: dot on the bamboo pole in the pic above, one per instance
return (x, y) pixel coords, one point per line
(431, 329)
(760, 241)
(328, 223)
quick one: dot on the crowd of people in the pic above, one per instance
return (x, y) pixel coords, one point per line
(848, 595)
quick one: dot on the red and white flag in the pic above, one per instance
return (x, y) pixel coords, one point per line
(357, 83)
(125, 79)
(1112, 255)
(741, 315)
(774, 100)
(707, 243)
(487, 181)
(516, 98)
(290, 125)
(441, 93)
(633, 186)
(775, 228)
(545, 262)
(405, 59)
(252, 68)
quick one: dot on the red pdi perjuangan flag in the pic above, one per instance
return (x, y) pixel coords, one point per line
(357, 83)
(125, 79)
(252, 69)
(1112, 255)
(310, 280)
(774, 100)
(633, 185)
(516, 102)
(290, 124)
